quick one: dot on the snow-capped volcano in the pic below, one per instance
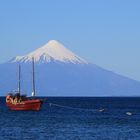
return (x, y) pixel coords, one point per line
(52, 51)
(73, 76)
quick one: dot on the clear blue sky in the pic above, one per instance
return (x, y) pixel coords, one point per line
(104, 32)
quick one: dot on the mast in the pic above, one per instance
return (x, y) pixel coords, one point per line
(19, 79)
(33, 77)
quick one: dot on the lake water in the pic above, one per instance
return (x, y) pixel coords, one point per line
(73, 119)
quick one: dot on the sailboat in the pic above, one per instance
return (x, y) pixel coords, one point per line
(16, 101)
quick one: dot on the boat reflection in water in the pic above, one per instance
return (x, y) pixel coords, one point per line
(16, 101)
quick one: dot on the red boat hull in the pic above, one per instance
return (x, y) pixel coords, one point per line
(33, 104)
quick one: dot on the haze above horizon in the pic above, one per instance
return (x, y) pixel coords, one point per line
(105, 33)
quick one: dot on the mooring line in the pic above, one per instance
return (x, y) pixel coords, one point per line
(73, 108)
(81, 109)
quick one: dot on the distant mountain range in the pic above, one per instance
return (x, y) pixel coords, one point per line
(60, 72)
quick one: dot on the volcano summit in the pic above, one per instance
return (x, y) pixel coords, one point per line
(52, 51)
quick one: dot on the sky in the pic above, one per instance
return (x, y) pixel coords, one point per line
(103, 32)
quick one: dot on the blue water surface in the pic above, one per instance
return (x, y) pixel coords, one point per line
(73, 118)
